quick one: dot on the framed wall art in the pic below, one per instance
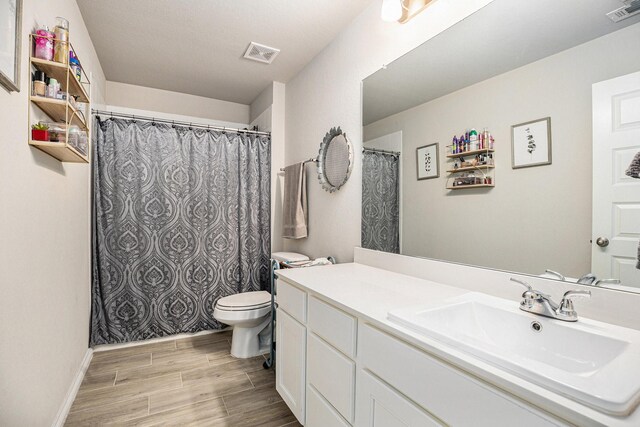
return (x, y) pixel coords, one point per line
(531, 143)
(428, 162)
(10, 43)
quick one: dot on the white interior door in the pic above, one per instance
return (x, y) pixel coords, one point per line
(616, 197)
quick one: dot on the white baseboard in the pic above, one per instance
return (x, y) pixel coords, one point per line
(73, 390)
(106, 347)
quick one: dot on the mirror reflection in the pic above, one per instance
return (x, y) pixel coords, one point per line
(509, 144)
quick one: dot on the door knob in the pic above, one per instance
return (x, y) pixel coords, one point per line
(602, 242)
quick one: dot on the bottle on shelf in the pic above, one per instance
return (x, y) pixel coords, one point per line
(53, 88)
(473, 139)
(44, 44)
(61, 47)
(39, 84)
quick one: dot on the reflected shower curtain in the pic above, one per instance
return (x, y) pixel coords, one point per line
(380, 201)
(181, 218)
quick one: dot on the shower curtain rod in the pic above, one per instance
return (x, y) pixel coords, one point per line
(176, 122)
(379, 150)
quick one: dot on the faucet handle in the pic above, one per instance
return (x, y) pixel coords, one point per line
(576, 294)
(555, 273)
(528, 296)
(522, 282)
(566, 305)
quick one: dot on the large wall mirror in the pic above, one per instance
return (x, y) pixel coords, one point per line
(557, 77)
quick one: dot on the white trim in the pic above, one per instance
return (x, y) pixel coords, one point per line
(73, 390)
(105, 347)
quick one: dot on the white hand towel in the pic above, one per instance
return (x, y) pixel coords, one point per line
(294, 211)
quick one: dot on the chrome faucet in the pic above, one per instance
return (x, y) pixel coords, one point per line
(587, 279)
(606, 282)
(538, 303)
(591, 279)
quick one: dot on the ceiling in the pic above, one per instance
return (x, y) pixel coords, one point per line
(503, 35)
(196, 46)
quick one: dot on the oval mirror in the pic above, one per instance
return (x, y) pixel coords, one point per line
(335, 160)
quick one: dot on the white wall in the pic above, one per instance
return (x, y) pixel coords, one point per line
(267, 112)
(45, 246)
(327, 93)
(516, 213)
(164, 101)
(261, 103)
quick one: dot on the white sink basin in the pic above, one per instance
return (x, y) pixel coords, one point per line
(592, 362)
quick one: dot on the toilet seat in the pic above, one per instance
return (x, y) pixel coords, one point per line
(245, 301)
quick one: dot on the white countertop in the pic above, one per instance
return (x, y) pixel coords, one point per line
(370, 293)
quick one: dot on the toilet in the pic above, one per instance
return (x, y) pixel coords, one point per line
(250, 315)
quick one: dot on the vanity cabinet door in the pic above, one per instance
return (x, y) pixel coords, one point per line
(378, 405)
(332, 374)
(291, 363)
(320, 413)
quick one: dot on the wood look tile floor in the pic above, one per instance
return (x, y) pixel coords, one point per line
(190, 381)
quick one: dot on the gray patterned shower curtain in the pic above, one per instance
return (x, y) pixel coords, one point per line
(181, 218)
(380, 201)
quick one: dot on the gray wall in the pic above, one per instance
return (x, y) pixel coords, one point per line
(534, 218)
(44, 245)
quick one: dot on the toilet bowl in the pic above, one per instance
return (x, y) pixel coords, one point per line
(250, 315)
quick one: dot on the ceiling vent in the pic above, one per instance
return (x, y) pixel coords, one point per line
(261, 53)
(630, 8)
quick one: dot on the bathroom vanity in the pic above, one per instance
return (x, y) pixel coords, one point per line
(343, 360)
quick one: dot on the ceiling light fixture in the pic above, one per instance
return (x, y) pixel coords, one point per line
(402, 10)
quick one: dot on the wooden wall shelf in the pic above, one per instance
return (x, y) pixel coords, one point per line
(470, 168)
(59, 72)
(61, 151)
(470, 153)
(59, 110)
(62, 111)
(487, 169)
(461, 187)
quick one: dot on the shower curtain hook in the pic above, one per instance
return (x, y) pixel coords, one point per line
(173, 124)
(190, 128)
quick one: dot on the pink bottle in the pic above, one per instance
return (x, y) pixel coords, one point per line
(44, 44)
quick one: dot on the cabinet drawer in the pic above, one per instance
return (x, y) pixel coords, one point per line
(378, 405)
(442, 389)
(292, 300)
(320, 413)
(332, 374)
(333, 325)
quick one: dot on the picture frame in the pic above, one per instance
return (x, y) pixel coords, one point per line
(428, 161)
(10, 50)
(531, 143)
